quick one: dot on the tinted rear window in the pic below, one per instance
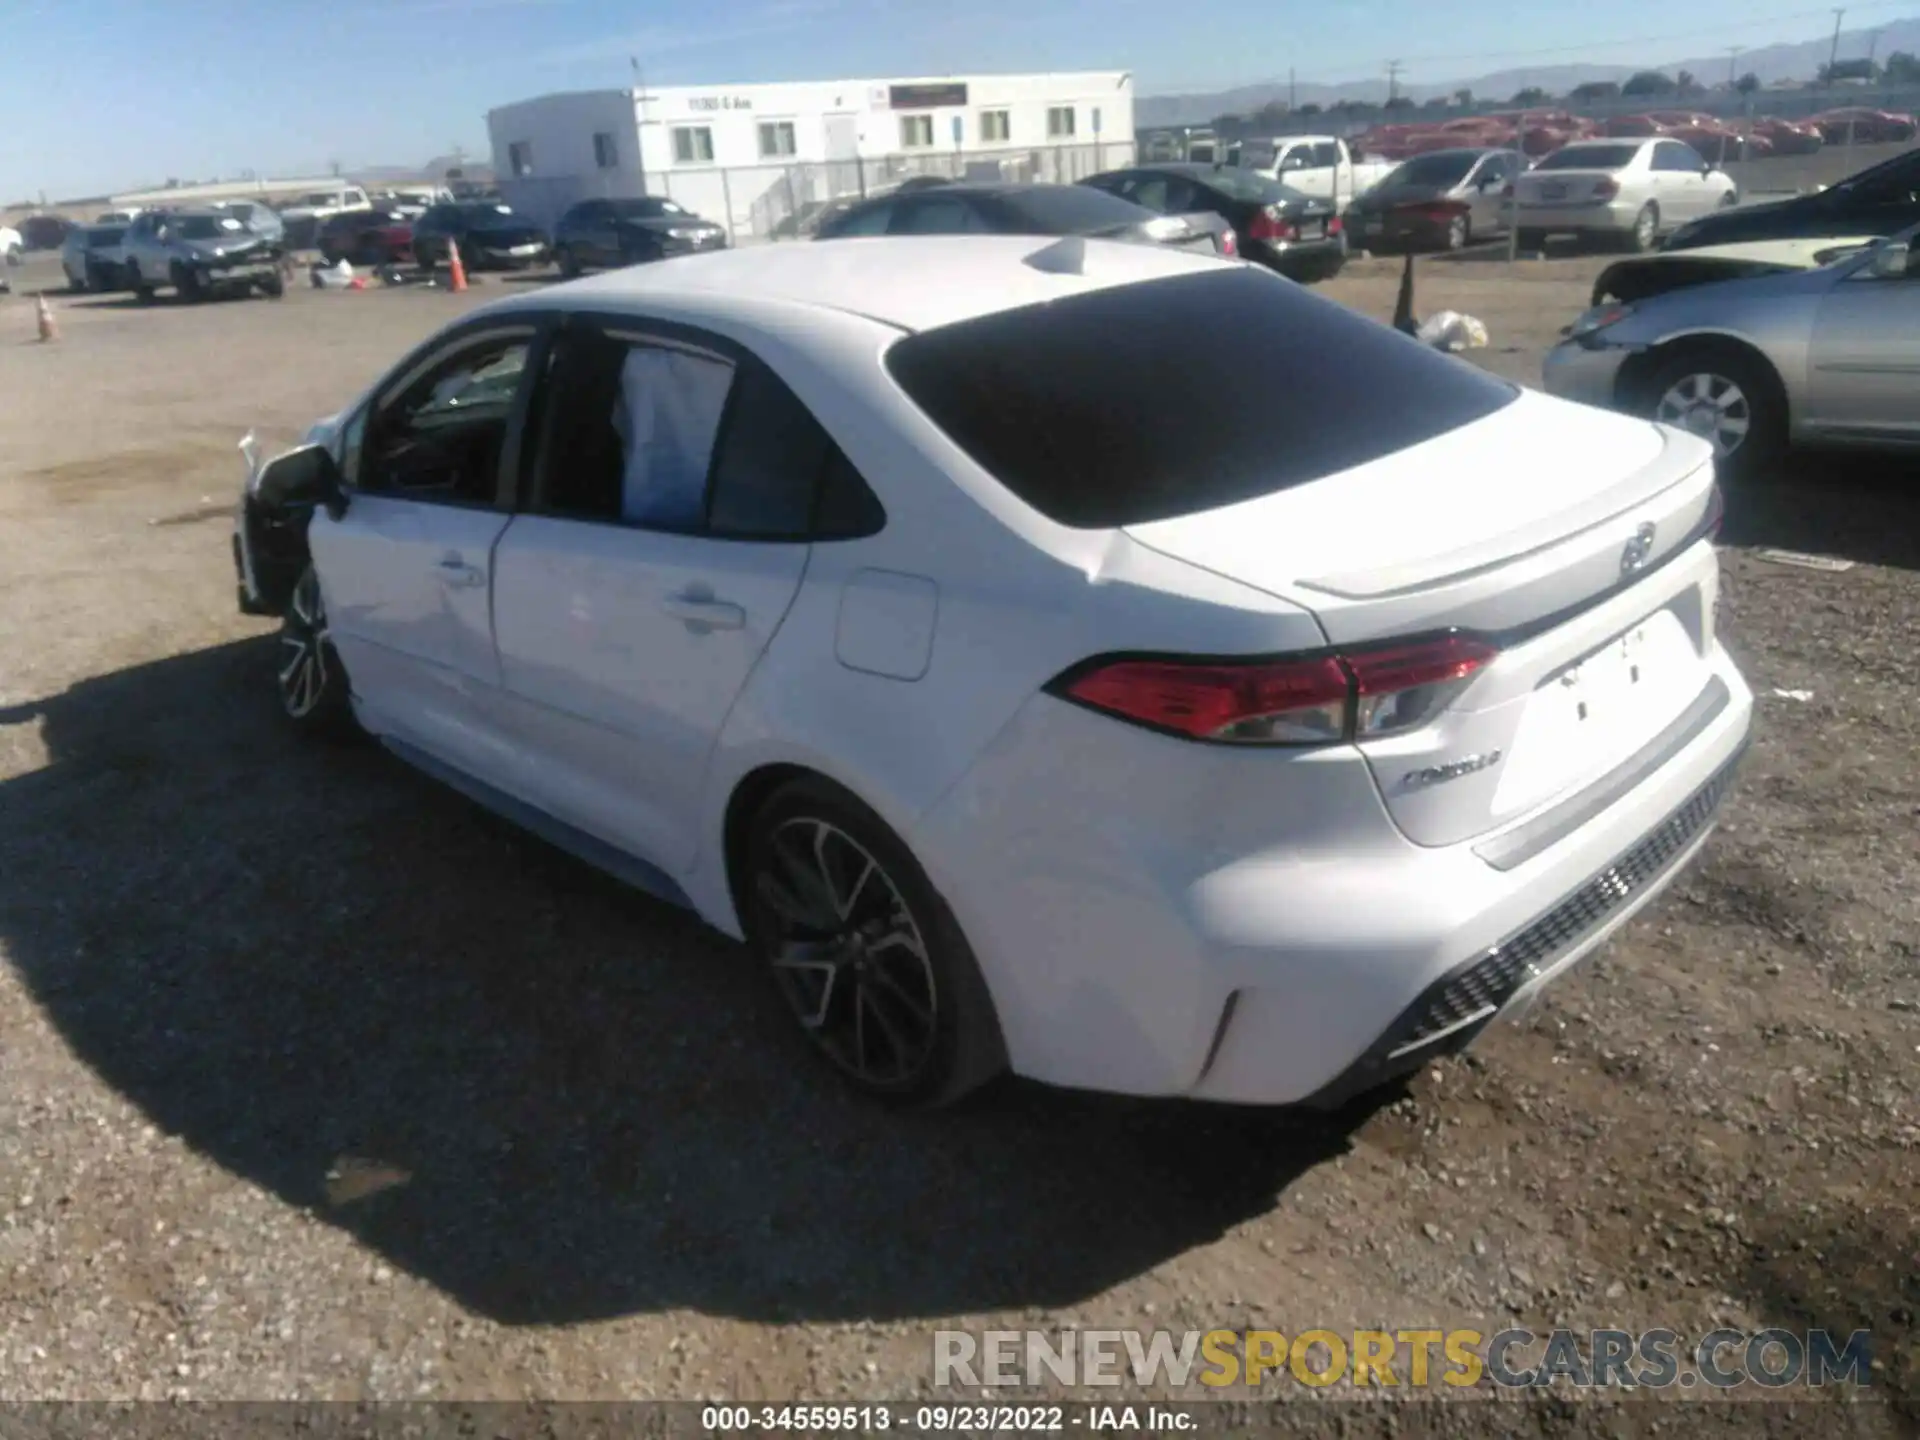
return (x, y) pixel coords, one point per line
(1590, 157)
(106, 234)
(1445, 167)
(1251, 185)
(1146, 401)
(1071, 209)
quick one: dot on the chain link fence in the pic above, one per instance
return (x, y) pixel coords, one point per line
(758, 203)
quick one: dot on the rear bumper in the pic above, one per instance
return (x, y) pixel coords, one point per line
(1298, 259)
(1394, 229)
(1255, 928)
(1608, 216)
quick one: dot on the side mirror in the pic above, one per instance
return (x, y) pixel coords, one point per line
(304, 476)
(1892, 260)
(1706, 170)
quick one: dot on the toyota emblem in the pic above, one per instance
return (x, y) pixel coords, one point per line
(1638, 549)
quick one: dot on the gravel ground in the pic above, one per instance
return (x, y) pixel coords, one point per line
(317, 1083)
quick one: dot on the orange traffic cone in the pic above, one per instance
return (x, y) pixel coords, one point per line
(456, 272)
(43, 319)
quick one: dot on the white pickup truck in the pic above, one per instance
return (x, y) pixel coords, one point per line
(324, 204)
(1317, 165)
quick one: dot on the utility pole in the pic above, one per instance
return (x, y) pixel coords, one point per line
(1394, 68)
(1873, 44)
(1833, 55)
(1733, 59)
(1293, 97)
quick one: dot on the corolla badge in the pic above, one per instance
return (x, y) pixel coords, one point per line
(1452, 770)
(1638, 550)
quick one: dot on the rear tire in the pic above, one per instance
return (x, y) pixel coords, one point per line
(1459, 232)
(186, 283)
(1646, 230)
(866, 954)
(1714, 390)
(568, 262)
(137, 283)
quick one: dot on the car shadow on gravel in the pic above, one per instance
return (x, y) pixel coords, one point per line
(549, 1096)
(1864, 508)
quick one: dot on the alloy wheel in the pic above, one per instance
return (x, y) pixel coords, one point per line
(1644, 226)
(303, 650)
(1710, 406)
(848, 953)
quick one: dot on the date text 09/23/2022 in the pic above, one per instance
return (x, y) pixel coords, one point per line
(942, 1419)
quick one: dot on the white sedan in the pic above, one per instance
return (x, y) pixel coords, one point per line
(1627, 191)
(1119, 666)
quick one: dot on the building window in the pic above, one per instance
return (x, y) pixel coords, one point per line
(692, 145)
(916, 132)
(995, 125)
(776, 139)
(604, 155)
(1059, 122)
(520, 157)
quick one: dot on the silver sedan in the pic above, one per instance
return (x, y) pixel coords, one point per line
(1828, 356)
(1627, 191)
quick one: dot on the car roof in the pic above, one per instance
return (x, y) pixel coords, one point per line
(882, 278)
(1463, 150)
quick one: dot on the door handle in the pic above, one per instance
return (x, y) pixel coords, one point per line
(456, 572)
(700, 612)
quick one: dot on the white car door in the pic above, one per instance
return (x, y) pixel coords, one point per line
(1866, 356)
(666, 534)
(1683, 189)
(405, 568)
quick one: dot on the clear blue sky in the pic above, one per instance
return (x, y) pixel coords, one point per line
(97, 95)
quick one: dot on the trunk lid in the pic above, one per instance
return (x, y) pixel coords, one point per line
(1564, 187)
(1545, 527)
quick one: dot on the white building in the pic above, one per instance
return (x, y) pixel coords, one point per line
(762, 158)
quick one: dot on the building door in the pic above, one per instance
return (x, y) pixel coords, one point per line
(843, 156)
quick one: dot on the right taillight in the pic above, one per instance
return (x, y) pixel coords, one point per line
(1266, 225)
(1607, 189)
(1302, 700)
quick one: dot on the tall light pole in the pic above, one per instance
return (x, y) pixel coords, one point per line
(1393, 79)
(1833, 55)
(1733, 59)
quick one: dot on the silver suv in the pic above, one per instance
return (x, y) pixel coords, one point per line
(199, 253)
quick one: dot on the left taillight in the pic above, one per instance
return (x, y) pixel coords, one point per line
(1320, 699)
(1229, 243)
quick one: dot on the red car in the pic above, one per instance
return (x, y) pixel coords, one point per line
(1859, 125)
(1634, 127)
(1789, 137)
(366, 237)
(1719, 142)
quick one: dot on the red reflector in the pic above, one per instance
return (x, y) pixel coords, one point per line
(1229, 245)
(1223, 702)
(1333, 225)
(1265, 227)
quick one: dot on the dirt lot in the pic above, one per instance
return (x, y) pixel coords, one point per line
(317, 1082)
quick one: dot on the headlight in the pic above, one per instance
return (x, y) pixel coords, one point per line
(1599, 318)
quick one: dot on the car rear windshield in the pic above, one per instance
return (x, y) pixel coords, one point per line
(1237, 184)
(1145, 401)
(1444, 168)
(1590, 157)
(1071, 209)
(645, 209)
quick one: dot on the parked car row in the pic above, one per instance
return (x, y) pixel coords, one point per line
(1539, 132)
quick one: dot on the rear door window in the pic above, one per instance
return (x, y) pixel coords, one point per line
(1141, 402)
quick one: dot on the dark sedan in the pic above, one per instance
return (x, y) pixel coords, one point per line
(490, 236)
(1017, 209)
(1442, 200)
(366, 237)
(1881, 200)
(1298, 235)
(596, 234)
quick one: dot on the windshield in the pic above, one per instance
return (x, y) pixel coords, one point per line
(1134, 403)
(1590, 157)
(485, 213)
(1238, 184)
(106, 234)
(206, 227)
(319, 199)
(1447, 168)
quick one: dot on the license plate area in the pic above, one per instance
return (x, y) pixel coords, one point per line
(1584, 716)
(1553, 192)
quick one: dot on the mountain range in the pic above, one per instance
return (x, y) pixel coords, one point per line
(1770, 63)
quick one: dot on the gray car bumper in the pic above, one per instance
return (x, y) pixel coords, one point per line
(1574, 372)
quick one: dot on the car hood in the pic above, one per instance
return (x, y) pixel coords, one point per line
(1645, 276)
(223, 245)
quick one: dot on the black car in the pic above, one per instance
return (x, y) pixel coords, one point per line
(1880, 200)
(489, 234)
(1023, 209)
(1298, 235)
(600, 233)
